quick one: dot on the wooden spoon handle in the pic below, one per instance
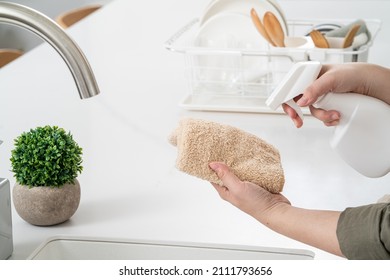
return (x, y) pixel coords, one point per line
(274, 29)
(319, 40)
(350, 36)
(260, 27)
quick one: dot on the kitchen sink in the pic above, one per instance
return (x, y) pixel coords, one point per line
(81, 248)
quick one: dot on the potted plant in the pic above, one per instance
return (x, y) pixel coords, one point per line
(46, 161)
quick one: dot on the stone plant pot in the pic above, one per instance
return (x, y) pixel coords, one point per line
(46, 206)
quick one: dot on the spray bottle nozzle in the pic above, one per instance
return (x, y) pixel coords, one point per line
(301, 75)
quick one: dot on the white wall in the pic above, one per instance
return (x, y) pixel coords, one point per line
(348, 9)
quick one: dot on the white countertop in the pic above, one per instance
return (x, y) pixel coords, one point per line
(130, 188)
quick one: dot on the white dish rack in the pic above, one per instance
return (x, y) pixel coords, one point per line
(240, 80)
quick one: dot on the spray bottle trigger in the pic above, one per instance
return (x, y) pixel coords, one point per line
(300, 76)
(296, 108)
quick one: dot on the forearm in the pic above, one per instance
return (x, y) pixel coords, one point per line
(313, 227)
(378, 82)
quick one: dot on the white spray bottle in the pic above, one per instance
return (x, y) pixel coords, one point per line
(362, 137)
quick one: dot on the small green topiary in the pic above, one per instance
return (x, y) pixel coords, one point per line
(46, 156)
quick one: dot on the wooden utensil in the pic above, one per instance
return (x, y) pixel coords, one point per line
(274, 29)
(348, 40)
(319, 39)
(260, 27)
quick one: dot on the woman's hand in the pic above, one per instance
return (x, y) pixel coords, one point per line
(248, 197)
(368, 79)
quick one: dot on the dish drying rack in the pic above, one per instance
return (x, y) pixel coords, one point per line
(240, 80)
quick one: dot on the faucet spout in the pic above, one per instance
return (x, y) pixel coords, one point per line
(52, 33)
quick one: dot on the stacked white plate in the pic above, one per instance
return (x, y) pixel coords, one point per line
(227, 25)
(242, 7)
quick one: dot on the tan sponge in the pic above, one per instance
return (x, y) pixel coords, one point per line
(200, 142)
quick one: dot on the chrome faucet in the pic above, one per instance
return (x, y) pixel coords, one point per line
(52, 33)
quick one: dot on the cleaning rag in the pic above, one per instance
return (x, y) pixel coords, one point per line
(200, 142)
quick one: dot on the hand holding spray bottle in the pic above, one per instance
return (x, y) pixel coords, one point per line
(362, 138)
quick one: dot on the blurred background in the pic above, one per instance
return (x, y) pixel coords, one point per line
(13, 37)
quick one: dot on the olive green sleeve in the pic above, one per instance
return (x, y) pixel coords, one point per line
(364, 232)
